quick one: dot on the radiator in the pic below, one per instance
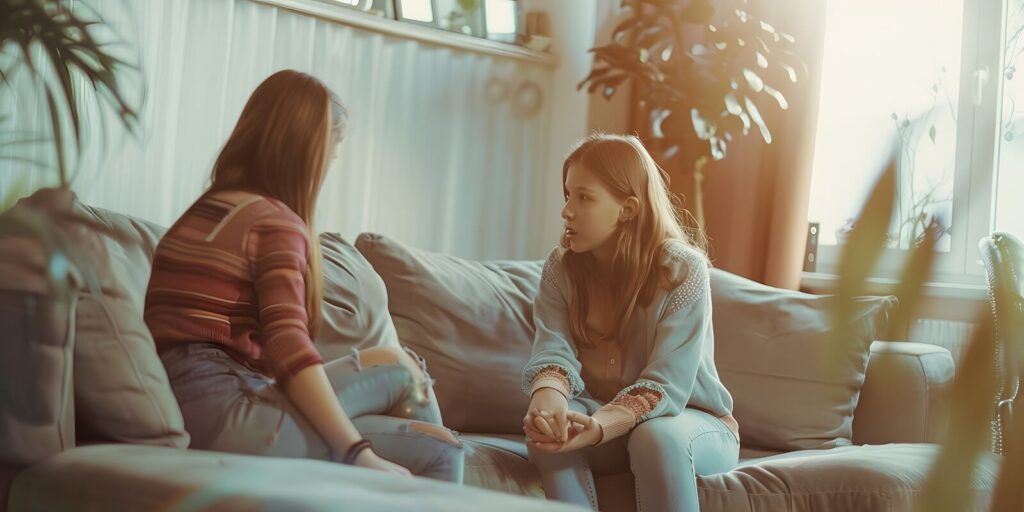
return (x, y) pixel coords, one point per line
(950, 335)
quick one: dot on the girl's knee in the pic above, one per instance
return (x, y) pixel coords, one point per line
(378, 356)
(657, 435)
(437, 432)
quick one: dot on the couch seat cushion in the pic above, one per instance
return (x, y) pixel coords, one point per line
(135, 477)
(850, 478)
(499, 463)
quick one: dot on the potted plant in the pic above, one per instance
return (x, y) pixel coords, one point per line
(701, 75)
(75, 66)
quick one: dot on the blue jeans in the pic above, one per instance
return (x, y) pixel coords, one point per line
(228, 407)
(664, 454)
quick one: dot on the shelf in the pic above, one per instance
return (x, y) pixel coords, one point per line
(331, 11)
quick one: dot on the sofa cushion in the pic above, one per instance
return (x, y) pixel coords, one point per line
(355, 305)
(904, 380)
(132, 477)
(845, 479)
(499, 462)
(120, 387)
(38, 294)
(471, 321)
(36, 380)
(129, 251)
(850, 478)
(793, 387)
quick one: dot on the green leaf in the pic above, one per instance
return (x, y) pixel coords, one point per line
(58, 140)
(627, 24)
(762, 61)
(753, 80)
(791, 72)
(857, 258)
(595, 74)
(948, 485)
(60, 68)
(779, 98)
(703, 128)
(916, 273)
(755, 116)
(732, 105)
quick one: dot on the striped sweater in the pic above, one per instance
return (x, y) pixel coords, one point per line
(231, 271)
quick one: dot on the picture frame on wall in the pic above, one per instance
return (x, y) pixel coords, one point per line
(421, 12)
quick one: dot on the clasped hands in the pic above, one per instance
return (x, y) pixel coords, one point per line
(551, 427)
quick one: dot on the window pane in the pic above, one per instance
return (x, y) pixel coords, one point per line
(1009, 176)
(501, 16)
(890, 79)
(419, 10)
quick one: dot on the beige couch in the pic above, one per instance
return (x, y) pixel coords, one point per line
(850, 434)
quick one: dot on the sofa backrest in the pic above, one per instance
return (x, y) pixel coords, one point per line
(766, 338)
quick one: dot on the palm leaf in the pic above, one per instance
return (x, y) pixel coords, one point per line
(858, 258)
(67, 40)
(948, 487)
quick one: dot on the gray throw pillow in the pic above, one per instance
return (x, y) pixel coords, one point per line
(37, 418)
(355, 305)
(473, 323)
(120, 389)
(792, 387)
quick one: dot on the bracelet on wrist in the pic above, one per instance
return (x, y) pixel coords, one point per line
(354, 451)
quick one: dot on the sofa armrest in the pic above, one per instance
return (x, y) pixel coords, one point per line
(902, 400)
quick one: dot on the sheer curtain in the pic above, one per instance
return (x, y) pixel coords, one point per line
(447, 149)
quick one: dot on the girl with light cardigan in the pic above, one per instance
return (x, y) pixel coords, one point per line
(623, 359)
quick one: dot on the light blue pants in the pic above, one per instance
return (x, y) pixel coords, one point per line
(664, 454)
(228, 407)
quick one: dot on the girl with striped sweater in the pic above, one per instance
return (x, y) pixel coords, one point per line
(234, 306)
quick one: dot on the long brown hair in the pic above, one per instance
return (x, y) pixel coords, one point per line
(279, 149)
(625, 167)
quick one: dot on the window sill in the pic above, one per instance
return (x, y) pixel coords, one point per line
(331, 11)
(817, 282)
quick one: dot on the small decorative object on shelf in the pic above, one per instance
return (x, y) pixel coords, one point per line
(536, 35)
(496, 20)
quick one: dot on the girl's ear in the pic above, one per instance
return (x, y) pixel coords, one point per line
(630, 207)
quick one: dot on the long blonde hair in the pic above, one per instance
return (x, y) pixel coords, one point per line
(626, 169)
(280, 149)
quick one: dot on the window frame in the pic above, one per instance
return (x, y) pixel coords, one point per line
(958, 272)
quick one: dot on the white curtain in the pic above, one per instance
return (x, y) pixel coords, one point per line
(441, 152)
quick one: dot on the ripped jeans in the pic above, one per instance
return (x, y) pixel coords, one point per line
(387, 395)
(665, 455)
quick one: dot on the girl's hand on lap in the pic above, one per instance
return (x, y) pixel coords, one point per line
(550, 419)
(583, 433)
(370, 460)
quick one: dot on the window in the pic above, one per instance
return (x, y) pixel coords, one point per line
(416, 10)
(1009, 169)
(501, 20)
(923, 79)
